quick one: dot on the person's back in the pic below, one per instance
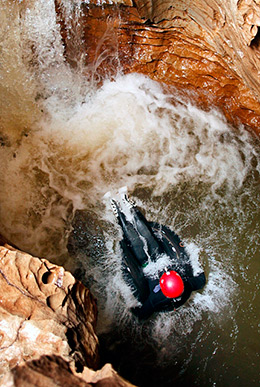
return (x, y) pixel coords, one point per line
(155, 261)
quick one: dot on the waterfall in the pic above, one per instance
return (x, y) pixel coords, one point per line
(66, 140)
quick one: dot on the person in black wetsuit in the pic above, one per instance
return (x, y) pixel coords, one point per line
(156, 262)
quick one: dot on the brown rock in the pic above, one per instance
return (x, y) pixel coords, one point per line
(230, 29)
(47, 322)
(53, 371)
(207, 52)
(43, 310)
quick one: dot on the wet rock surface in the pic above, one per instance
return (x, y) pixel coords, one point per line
(47, 326)
(208, 52)
(44, 310)
(54, 371)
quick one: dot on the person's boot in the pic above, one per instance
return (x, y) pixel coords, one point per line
(114, 207)
(113, 203)
(124, 197)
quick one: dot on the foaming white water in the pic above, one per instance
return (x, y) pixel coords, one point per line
(153, 269)
(129, 133)
(65, 142)
(130, 128)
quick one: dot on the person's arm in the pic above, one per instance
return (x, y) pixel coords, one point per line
(145, 311)
(197, 282)
(156, 302)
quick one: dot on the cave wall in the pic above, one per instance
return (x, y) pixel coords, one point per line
(44, 310)
(205, 50)
(230, 28)
(47, 326)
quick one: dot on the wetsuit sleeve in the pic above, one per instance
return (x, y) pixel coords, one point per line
(145, 311)
(197, 282)
(156, 302)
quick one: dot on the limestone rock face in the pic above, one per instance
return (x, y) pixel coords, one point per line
(225, 26)
(47, 326)
(206, 50)
(44, 311)
(230, 29)
(51, 371)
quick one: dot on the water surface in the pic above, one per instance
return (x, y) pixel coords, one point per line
(65, 142)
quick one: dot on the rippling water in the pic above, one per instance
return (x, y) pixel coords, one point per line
(65, 142)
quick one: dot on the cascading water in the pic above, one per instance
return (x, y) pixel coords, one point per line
(65, 142)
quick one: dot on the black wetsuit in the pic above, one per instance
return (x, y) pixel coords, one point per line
(144, 242)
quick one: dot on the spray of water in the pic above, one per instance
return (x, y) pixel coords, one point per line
(65, 142)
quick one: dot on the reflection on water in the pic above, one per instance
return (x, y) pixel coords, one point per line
(64, 143)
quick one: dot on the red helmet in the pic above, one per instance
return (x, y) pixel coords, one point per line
(171, 284)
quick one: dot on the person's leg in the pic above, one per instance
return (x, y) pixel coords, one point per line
(139, 234)
(143, 228)
(133, 239)
(133, 273)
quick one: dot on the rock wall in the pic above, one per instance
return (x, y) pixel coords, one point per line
(50, 371)
(47, 326)
(229, 28)
(208, 51)
(44, 310)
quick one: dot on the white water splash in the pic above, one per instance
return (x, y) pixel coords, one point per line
(64, 143)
